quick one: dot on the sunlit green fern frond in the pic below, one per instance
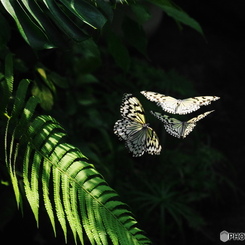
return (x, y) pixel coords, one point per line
(57, 175)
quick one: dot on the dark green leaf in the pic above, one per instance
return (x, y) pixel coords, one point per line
(141, 12)
(26, 116)
(36, 13)
(58, 80)
(43, 75)
(105, 8)
(9, 76)
(6, 88)
(45, 96)
(85, 11)
(118, 50)
(32, 33)
(20, 98)
(64, 23)
(88, 56)
(178, 15)
(135, 35)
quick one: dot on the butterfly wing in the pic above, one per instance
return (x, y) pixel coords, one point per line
(145, 140)
(178, 106)
(167, 103)
(172, 125)
(189, 105)
(132, 128)
(190, 124)
(178, 128)
(199, 117)
(132, 109)
(153, 146)
(124, 128)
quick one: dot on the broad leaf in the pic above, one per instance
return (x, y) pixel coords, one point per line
(47, 24)
(29, 30)
(177, 14)
(85, 11)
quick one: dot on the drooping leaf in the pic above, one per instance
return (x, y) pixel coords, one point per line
(85, 11)
(118, 51)
(29, 30)
(48, 24)
(35, 11)
(177, 14)
(63, 22)
(135, 35)
(141, 12)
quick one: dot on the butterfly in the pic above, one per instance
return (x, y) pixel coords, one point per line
(132, 128)
(178, 106)
(178, 128)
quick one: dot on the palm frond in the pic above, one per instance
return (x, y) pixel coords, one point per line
(71, 189)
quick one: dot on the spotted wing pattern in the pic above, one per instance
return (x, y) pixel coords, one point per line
(178, 106)
(139, 137)
(178, 128)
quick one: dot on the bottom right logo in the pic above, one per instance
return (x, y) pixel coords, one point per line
(226, 236)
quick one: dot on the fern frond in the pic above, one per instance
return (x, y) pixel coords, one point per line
(79, 191)
(31, 187)
(10, 163)
(16, 125)
(46, 173)
(73, 192)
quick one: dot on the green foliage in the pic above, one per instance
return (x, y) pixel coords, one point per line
(7, 87)
(72, 190)
(46, 24)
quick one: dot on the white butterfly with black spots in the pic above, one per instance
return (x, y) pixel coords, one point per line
(178, 128)
(132, 128)
(179, 106)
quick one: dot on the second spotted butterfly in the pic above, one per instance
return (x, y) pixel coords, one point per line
(178, 128)
(179, 106)
(132, 128)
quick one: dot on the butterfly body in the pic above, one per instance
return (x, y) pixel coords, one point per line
(138, 135)
(178, 106)
(177, 128)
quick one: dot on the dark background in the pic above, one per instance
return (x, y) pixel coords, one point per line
(216, 65)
